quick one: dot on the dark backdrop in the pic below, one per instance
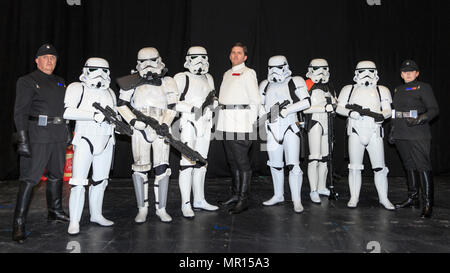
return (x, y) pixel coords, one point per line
(344, 32)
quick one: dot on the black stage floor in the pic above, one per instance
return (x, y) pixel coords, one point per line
(327, 228)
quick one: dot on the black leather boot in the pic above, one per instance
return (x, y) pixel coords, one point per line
(21, 211)
(413, 191)
(54, 201)
(235, 189)
(427, 186)
(242, 204)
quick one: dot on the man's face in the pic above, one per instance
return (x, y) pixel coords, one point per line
(410, 76)
(46, 63)
(237, 56)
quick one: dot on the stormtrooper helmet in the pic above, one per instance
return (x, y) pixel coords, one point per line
(96, 73)
(197, 60)
(319, 71)
(278, 69)
(366, 74)
(149, 62)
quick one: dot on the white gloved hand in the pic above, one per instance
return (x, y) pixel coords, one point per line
(355, 115)
(139, 125)
(283, 113)
(329, 108)
(151, 136)
(99, 117)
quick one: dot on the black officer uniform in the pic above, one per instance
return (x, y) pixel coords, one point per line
(415, 106)
(42, 136)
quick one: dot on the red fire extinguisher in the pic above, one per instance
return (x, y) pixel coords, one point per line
(69, 163)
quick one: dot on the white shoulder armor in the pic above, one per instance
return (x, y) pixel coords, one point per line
(74, 93)
(385, 94)
(171, 90)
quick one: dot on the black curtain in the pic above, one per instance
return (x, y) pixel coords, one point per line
(343, 32)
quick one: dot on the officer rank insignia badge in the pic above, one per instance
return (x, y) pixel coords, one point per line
(413, 88)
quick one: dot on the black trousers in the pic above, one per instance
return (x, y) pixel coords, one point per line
(237, 153)
(415, 154)
(49, 156)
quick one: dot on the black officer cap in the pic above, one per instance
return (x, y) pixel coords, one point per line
(409, 65)
(46, 49)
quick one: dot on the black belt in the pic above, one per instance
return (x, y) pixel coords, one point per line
(233, 107)
(410, 114)
(44, 120)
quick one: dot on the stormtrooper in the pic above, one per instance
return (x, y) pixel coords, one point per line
(194, 87)
(366, 105)
(282, 132)
(322, 103)
(153, 94)
(93, 140)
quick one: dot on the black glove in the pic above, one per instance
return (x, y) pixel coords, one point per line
(69, 134)
(391, 139)
(163, 130)
(420, 120)
(23, 144)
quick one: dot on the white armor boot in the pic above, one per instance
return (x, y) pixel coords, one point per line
(76, 205)
(278, 187)
(381, 185)
(322, 185)
(365, 129)
(185, 183)
(96, 194)
(283, 143)
(161, 187)
(199, 175)
(295, 183)
(354, 182)
(140, 181)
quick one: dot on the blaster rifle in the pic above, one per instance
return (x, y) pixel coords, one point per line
(275, 109)
(365, 112)
(161, 131)
(111, 118)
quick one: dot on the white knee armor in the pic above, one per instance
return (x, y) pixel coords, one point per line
(282, 138)
(194, 86)
(153, 94)
(364, 131)
(93, 141)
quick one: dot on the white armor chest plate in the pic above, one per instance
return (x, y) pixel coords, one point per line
(199, 89)
(149, 96)
(318, 98)
(277, 92)
(102, 96)
(367, 97)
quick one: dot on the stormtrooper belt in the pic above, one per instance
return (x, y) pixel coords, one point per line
(45, 120)
(232, 107)
(410, 114)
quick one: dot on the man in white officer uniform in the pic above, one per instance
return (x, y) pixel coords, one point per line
(366, 105)
(322, 103)
(93, 141)
(154, 95)
(282, 131)
(196, 87)
(240, 104)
